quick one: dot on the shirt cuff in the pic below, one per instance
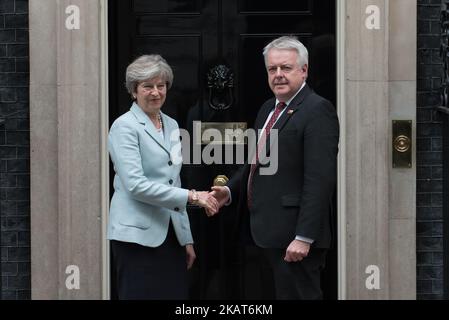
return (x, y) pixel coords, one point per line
(304, 239)
(230, 196)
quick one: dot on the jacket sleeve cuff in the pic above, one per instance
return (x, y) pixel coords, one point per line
(304, 239)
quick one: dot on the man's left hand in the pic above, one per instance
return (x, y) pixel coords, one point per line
(296, 251)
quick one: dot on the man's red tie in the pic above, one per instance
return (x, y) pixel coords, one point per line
(261, 146)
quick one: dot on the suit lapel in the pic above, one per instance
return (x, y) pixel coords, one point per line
(149, 128)
(258, 125)
(168, 130)
(263, 115)
(293, 107)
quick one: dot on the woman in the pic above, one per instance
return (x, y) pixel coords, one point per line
(148, 227)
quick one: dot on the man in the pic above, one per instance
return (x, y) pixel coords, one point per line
(287, 213)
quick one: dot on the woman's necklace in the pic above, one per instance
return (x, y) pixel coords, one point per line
(161, 126)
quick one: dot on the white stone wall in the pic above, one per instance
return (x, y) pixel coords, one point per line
(66, 149)
(380, 201)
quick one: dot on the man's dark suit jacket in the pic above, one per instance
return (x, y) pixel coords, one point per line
(297, 199)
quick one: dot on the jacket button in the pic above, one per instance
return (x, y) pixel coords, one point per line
(170, 163)
(176, 209)
(171, 181)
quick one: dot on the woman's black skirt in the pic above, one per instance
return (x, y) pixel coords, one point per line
(141, 272)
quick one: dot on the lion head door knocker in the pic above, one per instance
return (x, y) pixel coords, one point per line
(220, 81)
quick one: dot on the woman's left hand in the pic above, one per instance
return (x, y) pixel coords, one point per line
(191, 256)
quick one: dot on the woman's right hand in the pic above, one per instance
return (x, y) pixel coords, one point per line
(208, 202)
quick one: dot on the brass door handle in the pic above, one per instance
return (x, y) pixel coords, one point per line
(220, 181)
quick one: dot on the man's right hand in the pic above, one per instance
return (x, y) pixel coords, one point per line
(222, 196)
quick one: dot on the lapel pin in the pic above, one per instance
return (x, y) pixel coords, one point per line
(290, 112)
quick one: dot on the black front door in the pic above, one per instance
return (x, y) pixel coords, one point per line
(195, 36)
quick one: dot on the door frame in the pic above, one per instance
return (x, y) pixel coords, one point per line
(104, 114)
(341, 166)
(341, 182)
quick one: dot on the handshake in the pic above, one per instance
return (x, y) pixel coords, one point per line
(211, 201)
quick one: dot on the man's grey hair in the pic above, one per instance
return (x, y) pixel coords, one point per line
(288, 43)
(147, 67)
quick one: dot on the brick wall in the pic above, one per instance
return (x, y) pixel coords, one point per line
(430, 157)
(14, 150)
